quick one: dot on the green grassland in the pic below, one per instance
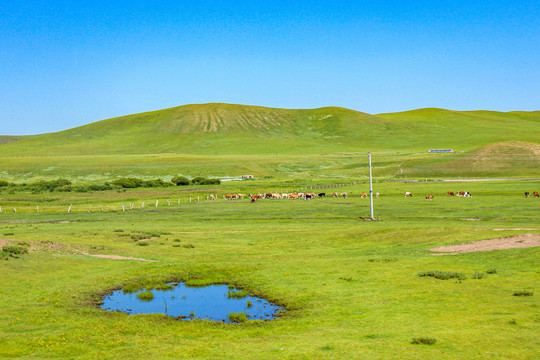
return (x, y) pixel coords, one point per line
(351, 287)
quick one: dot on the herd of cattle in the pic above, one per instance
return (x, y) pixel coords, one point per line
(309, 196)
(293, 196)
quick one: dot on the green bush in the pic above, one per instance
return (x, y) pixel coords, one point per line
(180, 180)
(3, 183)
(128, 183)
(523, 293)
(156, 183)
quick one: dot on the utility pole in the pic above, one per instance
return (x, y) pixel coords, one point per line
(370, 186)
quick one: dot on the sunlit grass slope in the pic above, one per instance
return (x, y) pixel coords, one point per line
(510, 158)
(223, 129)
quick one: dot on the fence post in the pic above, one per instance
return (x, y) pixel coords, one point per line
(157, 202)
(69, 209)
(37, 208)
(123, 209)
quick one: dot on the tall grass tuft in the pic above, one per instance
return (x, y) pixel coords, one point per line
(238, 317)
(443, 275)
(145, 296)
(237, 294)
(523, 293)
(424, 341)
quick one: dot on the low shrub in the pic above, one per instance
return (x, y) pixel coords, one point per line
(424, 341)
(188, 246)
(249, 304)
(238, 317)
(128, 183)
(9, 234)
(491, 271)
(523, 293)
(180, 181)
(199, 180)
(443, 275)
(143, 243)
(3, 183)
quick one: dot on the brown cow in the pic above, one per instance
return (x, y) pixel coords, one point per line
(430, 197)
(451, 193)
(536, 194)
(335, 194)
(363, 195)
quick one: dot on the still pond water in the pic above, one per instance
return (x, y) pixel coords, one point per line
(211, 302)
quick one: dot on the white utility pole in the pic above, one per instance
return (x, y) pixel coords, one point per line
(370, 186)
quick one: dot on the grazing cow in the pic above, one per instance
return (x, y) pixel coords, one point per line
(376, 195)
(212, 197)
(408, 194)
(254, 197)
(268, 195)
(363, 195)
(451, 193)
(321, 195)
(335, 194)
(467, 194)
(430, 197)
(535, 194)
(344, 195)
(229, 197)
(527, 194)
(293, 196)
(307, 196)
(240, 196)
(460, 193)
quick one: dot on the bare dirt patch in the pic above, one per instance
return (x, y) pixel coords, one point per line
(117, 257)
(509, 242)
(3, 242)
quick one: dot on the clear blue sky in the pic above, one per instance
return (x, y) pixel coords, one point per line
(68, 63)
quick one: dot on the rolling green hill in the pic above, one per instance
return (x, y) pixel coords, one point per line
(224, 129)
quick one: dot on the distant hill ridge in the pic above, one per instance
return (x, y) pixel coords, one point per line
(240, 129)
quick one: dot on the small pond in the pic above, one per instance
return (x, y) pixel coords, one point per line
(213, 302)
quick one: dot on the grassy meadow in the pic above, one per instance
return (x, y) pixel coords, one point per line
(351, 287)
